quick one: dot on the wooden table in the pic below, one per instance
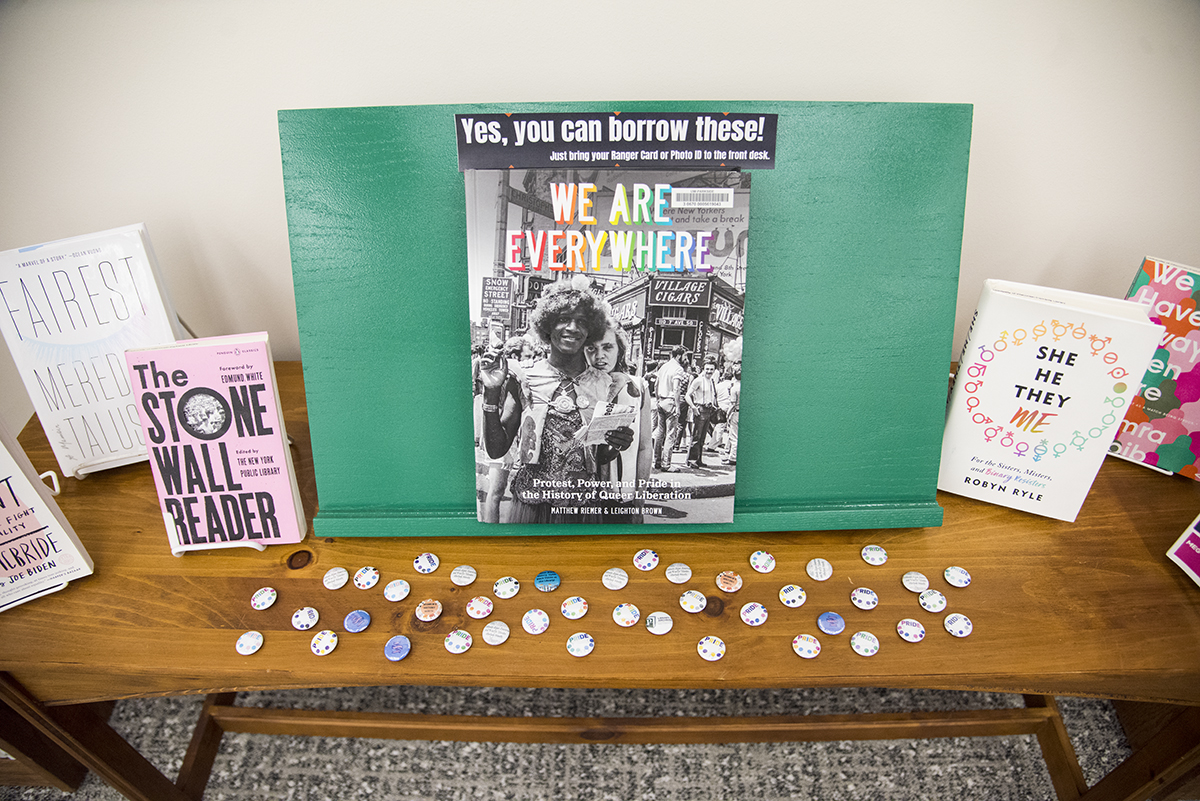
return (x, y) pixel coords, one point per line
(1090, 609)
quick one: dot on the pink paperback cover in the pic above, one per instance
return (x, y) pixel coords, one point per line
(1186, 551)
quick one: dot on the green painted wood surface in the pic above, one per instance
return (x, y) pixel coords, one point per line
(853, 259)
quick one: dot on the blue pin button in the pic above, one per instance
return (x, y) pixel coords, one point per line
(397, 648)
(547, 581)
(356, 621)
(831, 623)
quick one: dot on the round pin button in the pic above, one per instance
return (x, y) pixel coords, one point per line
(535, 621)
(831, 623)
(910, 630)
(463, 576)
(874, 555)
(678, 573)
(366, 577)
(580, 644)
(249, 643)
(547, 581)
(626, 615)
(323, 642)
(264, 598)
(806, 645)
(574, 607)
(693, 601)
(397, 590)
(819, 569)
(754, 614)
(659, 623)
(711, 648)
(793, 596)
(495, 633)
(915, 581)
(479, 607)
(932, 601)
(305, 618)
(426, 563)
(458, 641)
(428, 610)
(729, 581)
(335, 578)
(645, 559)
(356, 621)
(615, 578)
(864, 643)
(958, 625)
(762, 562)
(506, 587)
(957, 577)
(864, 598)
(396, 648)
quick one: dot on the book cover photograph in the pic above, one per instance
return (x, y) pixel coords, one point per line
(71, 309)
(39, 550)
(1161, 428)
(1044, 379)
(210, 412)
(606, 311)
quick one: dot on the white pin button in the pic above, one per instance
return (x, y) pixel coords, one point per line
(645, 559)
(793, 596)
(495, 633)
(806, 645)
(958, 625)
(323, 642)
(463, 576)
(762, 562)
(366, 577)
(574, 607)
(819, 569)
(754, 614)
(249, 643)
(305, 618)
(264, 598)
(426, 563)
(458, 642)
(580, 644)
(915, 581)
(335, 578)
(957, 577)
(874, 555)
(678, 573)
(615, 578)
(535, 621)
(711, 648)
(659, 623)
(397, 590)
(626, 615)
(729, 581)
(428, 610)
(864, 598)
(479, 607)
(506, 587)
(864, 643)
(932, 601)
(910, 630)
(693, 601)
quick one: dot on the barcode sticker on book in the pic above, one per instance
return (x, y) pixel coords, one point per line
(701, 198)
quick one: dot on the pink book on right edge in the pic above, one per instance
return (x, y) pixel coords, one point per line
(1186, 551)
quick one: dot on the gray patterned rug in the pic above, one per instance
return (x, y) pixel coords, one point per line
(258, 767)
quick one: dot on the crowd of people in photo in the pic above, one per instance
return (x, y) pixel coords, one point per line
(560, 410)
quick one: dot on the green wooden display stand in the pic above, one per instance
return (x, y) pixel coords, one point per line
(853, 276)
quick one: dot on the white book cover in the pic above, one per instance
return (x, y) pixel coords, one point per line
(1043, 382)
(39, 551)
(71, 309)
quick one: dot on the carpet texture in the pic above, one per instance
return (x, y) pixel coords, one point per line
(258, 767)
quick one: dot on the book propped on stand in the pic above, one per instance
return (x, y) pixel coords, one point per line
(71, 309)
(1044, 379)
(211, 415)
(39, 551)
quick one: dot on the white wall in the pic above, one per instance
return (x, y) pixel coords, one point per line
(1085, 154)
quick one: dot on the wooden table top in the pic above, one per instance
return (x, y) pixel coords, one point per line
(1089, 608)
